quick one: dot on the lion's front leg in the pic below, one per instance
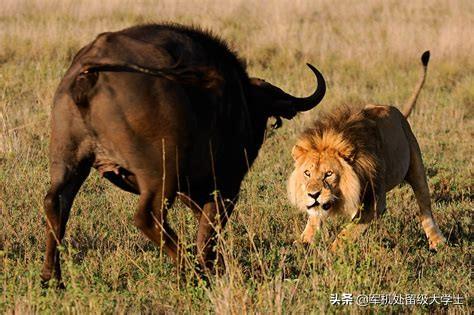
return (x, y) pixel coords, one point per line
(312, 225)
(350, 233)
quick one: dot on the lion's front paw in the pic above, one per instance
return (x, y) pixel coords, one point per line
(305, 238)
(437, 242)
(335, 246)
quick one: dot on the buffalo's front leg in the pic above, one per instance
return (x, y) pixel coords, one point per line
(65, 183)
(156, 196)
(150, 218)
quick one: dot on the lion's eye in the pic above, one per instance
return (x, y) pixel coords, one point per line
(307, 173)
(328, 174)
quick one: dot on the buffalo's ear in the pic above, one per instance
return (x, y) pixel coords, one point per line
(297, 152)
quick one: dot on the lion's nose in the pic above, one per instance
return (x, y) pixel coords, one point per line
(314, 195)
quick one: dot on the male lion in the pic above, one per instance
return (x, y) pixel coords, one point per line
(348, 161)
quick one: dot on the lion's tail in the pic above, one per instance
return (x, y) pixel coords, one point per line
(408, 107)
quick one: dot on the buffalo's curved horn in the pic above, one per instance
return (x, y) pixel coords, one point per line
(287, 106)
(302, 104)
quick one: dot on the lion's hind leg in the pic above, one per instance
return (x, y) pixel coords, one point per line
(417, 179)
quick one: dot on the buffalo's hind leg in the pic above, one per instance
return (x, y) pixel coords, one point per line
(65, 183)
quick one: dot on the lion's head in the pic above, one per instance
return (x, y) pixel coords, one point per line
(332, 165)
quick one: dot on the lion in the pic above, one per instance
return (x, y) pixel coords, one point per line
(347, 162)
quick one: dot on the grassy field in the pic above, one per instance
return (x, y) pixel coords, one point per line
(368, 51)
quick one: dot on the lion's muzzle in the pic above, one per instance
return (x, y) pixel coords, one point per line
(313, 200)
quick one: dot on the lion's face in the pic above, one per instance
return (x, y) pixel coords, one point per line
(314, 184)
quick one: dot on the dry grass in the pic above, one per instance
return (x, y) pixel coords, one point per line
(368, 51)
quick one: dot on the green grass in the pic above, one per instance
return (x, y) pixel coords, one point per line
(368, 52)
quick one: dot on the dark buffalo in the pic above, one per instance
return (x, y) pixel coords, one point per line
(160, 111)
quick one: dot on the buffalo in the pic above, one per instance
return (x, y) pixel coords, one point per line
(162, 111)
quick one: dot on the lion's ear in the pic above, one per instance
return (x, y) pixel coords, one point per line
(349, 156)
(297, 152)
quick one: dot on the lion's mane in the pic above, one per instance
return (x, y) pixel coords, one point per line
(351, 136)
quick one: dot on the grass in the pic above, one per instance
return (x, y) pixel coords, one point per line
(368, 51)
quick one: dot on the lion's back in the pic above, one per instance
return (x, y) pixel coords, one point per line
(394, 149)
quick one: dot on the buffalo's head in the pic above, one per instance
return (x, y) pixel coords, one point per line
(273, 102)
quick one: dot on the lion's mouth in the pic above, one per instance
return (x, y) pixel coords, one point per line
(326, 206)
(315, 204)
